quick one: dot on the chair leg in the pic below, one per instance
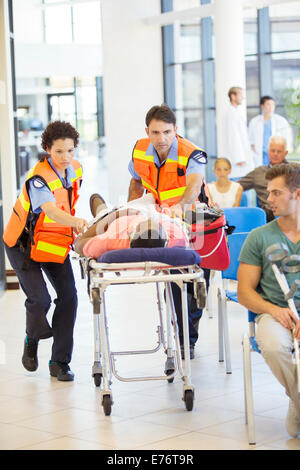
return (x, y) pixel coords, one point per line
(226, 339)
(248, 392)
(220, 326)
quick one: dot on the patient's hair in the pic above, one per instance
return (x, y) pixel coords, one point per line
(290, 172)
(148, 234)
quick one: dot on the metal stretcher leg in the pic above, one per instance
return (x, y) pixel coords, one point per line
(188, 389)
(102, 345)
(170, 364)
(97, 366)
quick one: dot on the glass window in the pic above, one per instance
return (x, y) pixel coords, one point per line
(58, 24)
(285, 26)
(87, 108)
(185, 4)
(250, 35)
(193, 126)
(87, 23)
(192, 85)
(252, 81)
(189, 43)
(285, 73)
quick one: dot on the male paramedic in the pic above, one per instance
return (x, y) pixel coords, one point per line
(170, 167)
(258, 288)
(38, 238)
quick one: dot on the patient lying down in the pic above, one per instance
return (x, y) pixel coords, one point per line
(135, 225)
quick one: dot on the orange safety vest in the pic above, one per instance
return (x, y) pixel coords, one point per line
(50, 241)
(167, 183)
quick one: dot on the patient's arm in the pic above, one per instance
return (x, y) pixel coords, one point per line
(100, 227)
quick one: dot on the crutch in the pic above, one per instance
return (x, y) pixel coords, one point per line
(278, 257)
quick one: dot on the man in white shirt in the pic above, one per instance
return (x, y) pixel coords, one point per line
(236, 146)
(264, 126)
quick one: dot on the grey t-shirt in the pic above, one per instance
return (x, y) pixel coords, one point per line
(253, 252)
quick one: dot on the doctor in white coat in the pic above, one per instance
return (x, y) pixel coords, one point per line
(264, 126)
(236, 145)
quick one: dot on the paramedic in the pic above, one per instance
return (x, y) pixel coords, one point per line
(170, 167)
(38, 238)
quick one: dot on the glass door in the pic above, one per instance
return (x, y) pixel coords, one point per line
(62, 107)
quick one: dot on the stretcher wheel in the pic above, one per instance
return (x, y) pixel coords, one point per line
(97, 379)
(169, 372)
(189, 399)
(106, 403)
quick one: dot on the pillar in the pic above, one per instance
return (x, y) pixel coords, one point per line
(132, 83)
(229, 60)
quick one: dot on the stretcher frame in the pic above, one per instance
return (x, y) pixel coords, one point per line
(103, 275)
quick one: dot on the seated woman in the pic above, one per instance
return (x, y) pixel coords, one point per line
(135, 225)
(223, 192)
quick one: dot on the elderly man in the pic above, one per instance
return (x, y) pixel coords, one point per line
(256, 179)
(258, 289)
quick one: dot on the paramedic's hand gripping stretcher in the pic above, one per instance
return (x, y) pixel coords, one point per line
(278, 257)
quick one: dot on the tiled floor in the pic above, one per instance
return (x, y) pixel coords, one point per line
(38, 412)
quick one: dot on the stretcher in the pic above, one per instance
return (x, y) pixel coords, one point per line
(281, 263)
(160, 266)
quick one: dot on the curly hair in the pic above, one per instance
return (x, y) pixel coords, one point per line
(59, 130)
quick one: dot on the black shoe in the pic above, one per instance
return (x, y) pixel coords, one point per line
(61, 370)
(192, 351)
(95, 202)
(29, 358)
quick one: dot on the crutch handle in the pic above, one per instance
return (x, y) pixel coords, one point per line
(291, 264)
(294, 287)
(276, 253)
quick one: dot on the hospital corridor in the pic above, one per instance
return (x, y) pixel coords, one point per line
(149, 227)
(39, 413)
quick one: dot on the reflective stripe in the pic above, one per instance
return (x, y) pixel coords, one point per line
(47, 220)
(78, 174)
(50, 248)
(142, 155)
(55, 184)
(30, 173)
(170, 193)
(182, 160)
(151, 188)
(25, 204)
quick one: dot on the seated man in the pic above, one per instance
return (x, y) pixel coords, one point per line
(136, 224)
(259, 291)
(256, 179)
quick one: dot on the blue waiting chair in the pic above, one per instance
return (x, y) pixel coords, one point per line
(245, 218)
(249, 345)
(235, 243)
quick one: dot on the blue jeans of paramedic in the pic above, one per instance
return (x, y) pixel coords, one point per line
(38, 301)
(194, 314)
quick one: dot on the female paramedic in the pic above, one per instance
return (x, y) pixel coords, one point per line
(38, 238)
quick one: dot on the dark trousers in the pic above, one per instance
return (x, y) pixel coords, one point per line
(194, 314)
(38, 301)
